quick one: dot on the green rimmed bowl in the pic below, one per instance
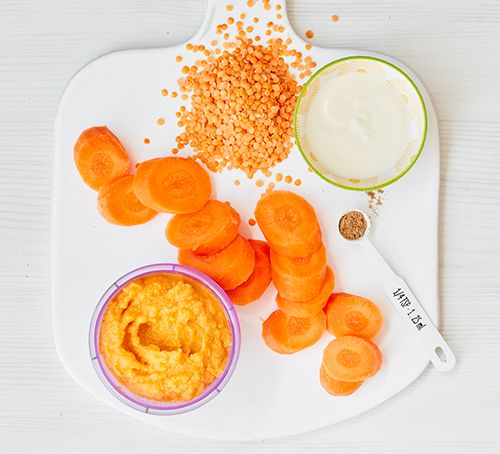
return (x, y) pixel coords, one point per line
(410, 94)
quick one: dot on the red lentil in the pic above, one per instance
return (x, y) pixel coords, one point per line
(242, 98)
(241, 107)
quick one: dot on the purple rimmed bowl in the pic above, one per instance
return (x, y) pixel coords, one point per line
(143, 404)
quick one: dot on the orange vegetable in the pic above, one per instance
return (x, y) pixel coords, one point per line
(205, 231)
(172, 185)
(229, 267)
(300, 278)
(351, 358)
(118, 204)
(100, 157)
(285, 334)
(336, 387)
(289, 223)
(351, 315)
(253, 288)
(310, 307)
(297, 266)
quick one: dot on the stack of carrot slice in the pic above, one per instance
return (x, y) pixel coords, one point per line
(300, 272)
(208, 241)
(205, 231)
(104, 166)
(169, 185)
(351, 357)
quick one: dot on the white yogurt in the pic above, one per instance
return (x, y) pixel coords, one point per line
(357, 125)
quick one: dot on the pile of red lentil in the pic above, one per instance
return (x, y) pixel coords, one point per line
(242, 96)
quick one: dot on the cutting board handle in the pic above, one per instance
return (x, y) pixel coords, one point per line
(218, 14)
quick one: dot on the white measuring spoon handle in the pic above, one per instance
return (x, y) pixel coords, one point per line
(411, 310)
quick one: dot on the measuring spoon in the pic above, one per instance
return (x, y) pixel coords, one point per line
(407, 305)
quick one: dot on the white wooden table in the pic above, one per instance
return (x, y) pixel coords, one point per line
(451, 44)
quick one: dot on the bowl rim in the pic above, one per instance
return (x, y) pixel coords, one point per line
(133, 400)
(422, 142)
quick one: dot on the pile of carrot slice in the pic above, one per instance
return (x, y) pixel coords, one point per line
(352, 357)
(305, 282)
(204, 230)
(169, 185)
(300, 272)
(208, 241)
(104, 166)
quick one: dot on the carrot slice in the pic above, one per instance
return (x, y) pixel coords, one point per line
(285, 334)
(351, 315)
(229, 267)
(289, 223)
(312, 264)
(118, 204)
(253, 288)
(172, 185)
(100, 157)
(351, 358)
(337, 387)
(312, 306)
(299, 278)
(205, 231)
(261, 246)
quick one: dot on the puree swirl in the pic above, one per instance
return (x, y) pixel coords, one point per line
(165, 337)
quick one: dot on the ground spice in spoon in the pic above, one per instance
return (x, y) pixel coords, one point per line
(352, 225)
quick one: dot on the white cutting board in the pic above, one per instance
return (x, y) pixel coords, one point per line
(269, 395)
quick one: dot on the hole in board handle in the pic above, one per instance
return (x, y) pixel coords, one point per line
(440, 354)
